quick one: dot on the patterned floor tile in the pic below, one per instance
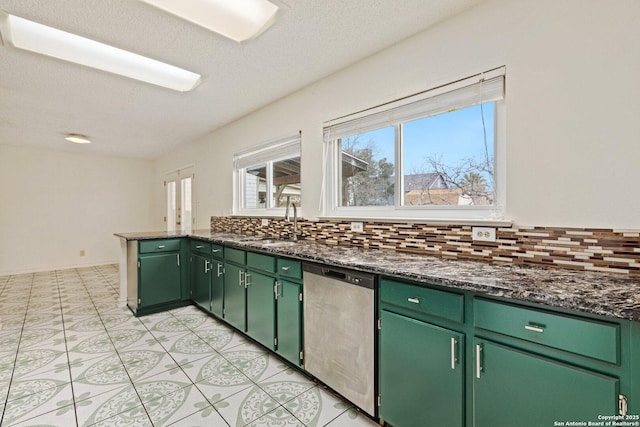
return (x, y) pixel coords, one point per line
(316, 407)
(185, 347)
(352, 418)
(136, 417)
(278, 417)
(188, 367)
(286, 385)
(63, 417)
(218, 379)
(207, 417)
(176, 405)
(32, 362)
(221, 338)
(246, 406)
(34, 404)
(104, 404)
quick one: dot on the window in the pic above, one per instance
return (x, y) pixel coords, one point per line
(433, 155)
(268, 176)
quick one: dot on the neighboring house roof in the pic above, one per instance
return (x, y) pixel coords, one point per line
(424, 181)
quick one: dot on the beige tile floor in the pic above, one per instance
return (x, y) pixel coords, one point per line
(69, 356)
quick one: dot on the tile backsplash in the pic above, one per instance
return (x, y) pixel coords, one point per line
(609, 250)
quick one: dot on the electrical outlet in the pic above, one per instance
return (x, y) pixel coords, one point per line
(357, 227)
(265, 222)
(484, 234)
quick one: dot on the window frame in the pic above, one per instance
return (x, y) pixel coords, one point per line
(266, 154)
(437, 213)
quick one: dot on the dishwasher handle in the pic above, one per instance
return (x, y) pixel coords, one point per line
(327, 272)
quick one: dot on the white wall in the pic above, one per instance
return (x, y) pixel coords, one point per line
(54, 204)
(573, 133)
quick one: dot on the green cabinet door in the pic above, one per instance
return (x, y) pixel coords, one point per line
(518, 388)
(235, 296)
(261, 308)
(201, 281)
(159, 279)
(289, 321)
(421, 373)
(217, 286)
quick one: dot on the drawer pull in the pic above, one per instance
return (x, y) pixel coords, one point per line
(534, 328)
(454, 344)
(199, 246)
(286, 268)
(160, 246)
(478, 360)
(414, 300)
(215, 250)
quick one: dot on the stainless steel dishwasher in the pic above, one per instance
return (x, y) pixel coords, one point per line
(339, 331)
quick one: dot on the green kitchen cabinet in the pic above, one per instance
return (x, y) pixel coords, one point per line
(421, 373)
(217, 287)
(235, 295)
(514, 387)
(157, 276)
(261, 308)
(289, 320)
(274, 304)
(201, 280)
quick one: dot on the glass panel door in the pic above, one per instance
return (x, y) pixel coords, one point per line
(179, 200)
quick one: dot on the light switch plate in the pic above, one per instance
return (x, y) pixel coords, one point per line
(484, 234)
(357, 227)
(265, 222)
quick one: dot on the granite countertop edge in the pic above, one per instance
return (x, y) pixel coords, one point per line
(606, 294)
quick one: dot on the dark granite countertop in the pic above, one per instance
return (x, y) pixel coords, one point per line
(613, 295)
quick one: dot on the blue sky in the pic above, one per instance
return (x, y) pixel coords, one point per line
(455, 135)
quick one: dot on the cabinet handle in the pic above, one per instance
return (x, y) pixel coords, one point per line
(275, 290)
(286, 268)
(534, 328)
(414, 300)
(178, 258)
(241, 281)
(160, 246)
(219, 269)
(206, 266)
(478, 360)
(215, 250)
(198, 246)
(247, 276)
(454, 343)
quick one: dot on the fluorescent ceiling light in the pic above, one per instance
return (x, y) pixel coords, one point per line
(34, 37)
(238, 20)
(77, 138)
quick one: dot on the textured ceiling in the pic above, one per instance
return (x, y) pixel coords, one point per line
(42, 99)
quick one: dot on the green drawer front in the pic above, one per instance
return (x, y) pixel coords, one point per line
(591, 338)
(261, 262)
(235, 255)
(289, 268)
(423, 300)
(200, 247)
(217, 251)
(160, 245)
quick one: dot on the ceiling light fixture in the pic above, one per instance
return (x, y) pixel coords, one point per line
(238, 20)
(77, 138)
(34, 37)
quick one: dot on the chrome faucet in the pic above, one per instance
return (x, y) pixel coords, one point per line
(295, 217)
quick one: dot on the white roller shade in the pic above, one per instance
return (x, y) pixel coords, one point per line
(466, 93)
(281, 148)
